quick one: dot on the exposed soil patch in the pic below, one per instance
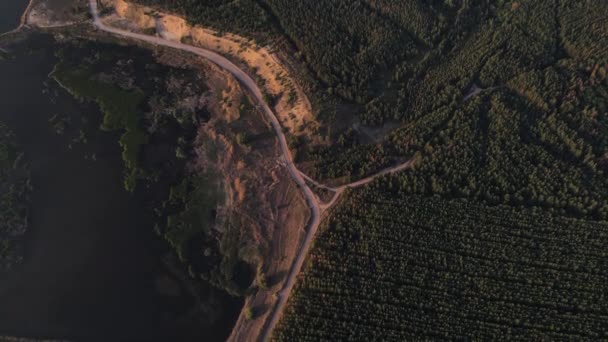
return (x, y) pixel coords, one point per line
(291, 105)
(262, 203)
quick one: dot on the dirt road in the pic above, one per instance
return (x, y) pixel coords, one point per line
(299, 177)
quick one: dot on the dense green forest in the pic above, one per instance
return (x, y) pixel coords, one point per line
(505, 54)
(15, 189)
(427, 268)
(498, 230)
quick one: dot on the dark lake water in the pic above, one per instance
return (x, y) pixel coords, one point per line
(10, 13)
(92, 269)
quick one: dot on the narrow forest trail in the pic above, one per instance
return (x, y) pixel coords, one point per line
(316, 208)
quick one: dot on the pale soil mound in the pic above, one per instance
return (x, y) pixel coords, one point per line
(291, 105)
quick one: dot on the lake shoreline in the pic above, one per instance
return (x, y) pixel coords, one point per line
(22, 19)
(87, 230)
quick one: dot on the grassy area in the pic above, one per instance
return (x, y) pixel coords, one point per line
(120, 108)
(198, 196)
(190, 231)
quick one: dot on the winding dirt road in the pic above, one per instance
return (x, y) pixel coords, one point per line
(316, 208)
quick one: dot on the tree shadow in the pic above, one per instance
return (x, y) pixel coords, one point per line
(259, 310)
(276, 278)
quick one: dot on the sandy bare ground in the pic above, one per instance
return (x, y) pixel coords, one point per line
(293, 112)
(244, 329)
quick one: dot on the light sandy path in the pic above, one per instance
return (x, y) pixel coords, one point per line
(23, 19)
(299, 177)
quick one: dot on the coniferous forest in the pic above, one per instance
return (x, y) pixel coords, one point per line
(499, 231)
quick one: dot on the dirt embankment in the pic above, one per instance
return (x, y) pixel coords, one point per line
(238, 143)
(290, 103)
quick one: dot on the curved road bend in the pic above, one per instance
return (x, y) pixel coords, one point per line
(296, 175)
(294, 172)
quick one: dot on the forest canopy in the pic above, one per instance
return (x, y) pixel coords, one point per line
(500, 225)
